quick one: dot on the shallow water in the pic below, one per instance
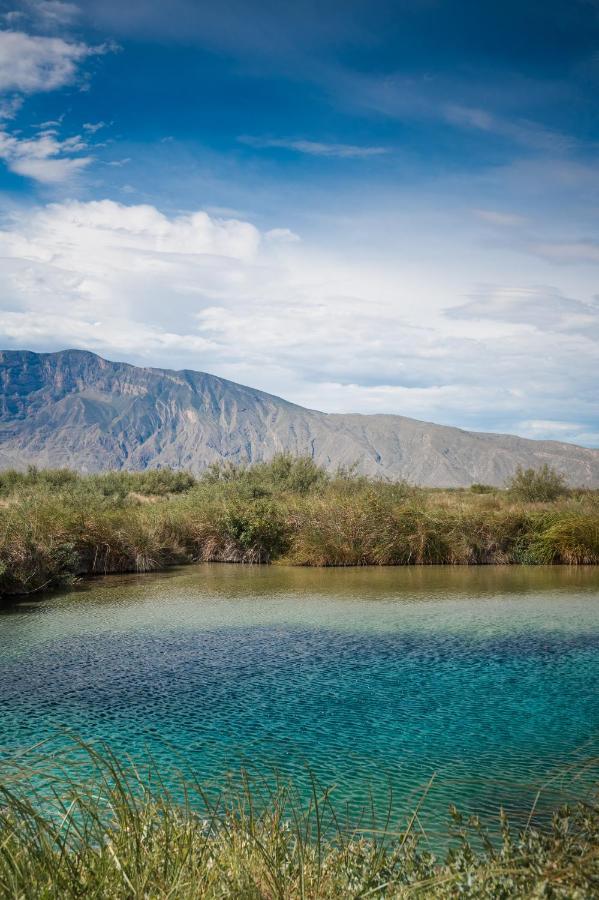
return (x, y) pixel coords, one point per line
(373, 678)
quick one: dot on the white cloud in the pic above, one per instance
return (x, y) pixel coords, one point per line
(540, 307)
(31, 63)
(93, 127)
(216, 294)
(314, 148)
(44, 157)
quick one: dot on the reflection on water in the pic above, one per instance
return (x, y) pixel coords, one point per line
(374, 677)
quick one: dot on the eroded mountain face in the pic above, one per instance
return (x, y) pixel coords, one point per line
(76, 409)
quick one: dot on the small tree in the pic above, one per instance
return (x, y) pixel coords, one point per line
(537, 485)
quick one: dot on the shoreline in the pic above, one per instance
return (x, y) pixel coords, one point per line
(57, 526)
(88, 579)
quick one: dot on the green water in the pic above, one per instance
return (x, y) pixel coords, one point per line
(373, 678)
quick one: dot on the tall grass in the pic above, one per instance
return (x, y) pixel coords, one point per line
(56, 526)
(97, 827)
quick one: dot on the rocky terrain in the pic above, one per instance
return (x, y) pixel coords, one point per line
(76, 409)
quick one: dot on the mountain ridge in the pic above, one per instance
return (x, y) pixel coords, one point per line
(74, 408)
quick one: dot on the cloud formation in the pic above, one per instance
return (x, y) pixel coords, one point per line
(32, 63)
(44, 157)
(217, 294)
(29, 64)
(541, 307)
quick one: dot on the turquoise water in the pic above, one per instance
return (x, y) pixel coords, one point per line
(374, 678)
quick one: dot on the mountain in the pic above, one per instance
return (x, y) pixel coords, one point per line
(76, 409)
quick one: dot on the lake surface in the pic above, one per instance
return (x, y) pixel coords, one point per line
(374, 678)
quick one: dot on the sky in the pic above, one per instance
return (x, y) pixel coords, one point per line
(376, 207)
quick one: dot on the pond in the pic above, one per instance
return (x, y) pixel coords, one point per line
(372, 679)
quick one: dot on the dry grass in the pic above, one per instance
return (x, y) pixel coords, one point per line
(56, 526)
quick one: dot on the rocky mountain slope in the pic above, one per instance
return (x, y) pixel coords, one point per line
(75, 409)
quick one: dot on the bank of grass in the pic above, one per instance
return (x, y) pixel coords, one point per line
(118, 832)
(57, 525)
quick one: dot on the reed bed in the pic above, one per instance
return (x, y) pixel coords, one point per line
(81, 823)
(56, 526)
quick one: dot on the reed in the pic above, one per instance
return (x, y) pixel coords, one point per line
(84, 823)
(56, 526)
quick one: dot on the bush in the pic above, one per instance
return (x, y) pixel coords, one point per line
(283, 474)
(542, 485)
(11, 480)
(154, 482)
(258, 528)
(482, 488)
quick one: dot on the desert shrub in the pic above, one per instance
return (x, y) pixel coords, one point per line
(12, 480)
(482, 488)
(542, 485)
(297, 475)
(156, 482)
(283, 474)
(337, 529)
(258, 528)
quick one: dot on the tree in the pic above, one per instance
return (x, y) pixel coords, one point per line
(537, 485)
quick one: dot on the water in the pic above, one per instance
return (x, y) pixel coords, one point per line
(374, 678)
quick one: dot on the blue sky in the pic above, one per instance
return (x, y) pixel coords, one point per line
(373, 207)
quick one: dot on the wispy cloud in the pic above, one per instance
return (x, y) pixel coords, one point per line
(313, 148)
(527, 133)
(10, 107)
(541, 307)
(585, 251)
(55, 12)
(93, 127)
(502, 219)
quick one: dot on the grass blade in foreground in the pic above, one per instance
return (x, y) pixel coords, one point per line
(81, 823)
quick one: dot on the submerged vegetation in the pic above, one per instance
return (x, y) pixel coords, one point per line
(56, 525)
(88, 825)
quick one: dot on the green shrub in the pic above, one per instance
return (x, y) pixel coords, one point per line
(258, 528)
(482, 488)
(283, 474)
(154, 482)
(542, 485)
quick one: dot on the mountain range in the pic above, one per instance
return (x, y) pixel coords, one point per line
(75, 409)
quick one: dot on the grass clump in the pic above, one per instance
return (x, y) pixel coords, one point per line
(56, 525)
(117, 831)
